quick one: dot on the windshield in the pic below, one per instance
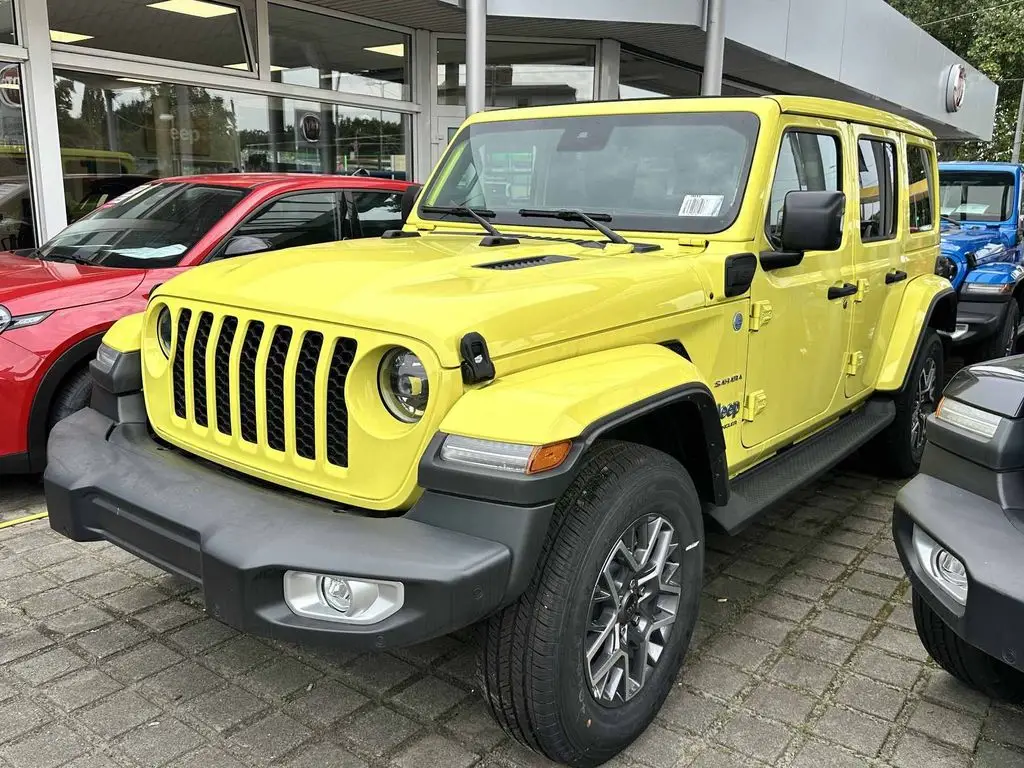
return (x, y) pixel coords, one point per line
(976, 195)
(676, 172)
(150, 226)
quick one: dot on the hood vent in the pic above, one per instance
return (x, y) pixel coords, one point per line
(524, 263)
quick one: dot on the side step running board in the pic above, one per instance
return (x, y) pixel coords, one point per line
(756, 490)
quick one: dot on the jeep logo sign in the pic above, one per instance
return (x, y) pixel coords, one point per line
(309, 125)
(10, 87)
(956, 87)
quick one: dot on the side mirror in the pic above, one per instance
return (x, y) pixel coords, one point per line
(409, 200)
(813, 221)
(245, 244)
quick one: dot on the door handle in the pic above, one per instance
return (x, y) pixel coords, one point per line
(839, 291)
(895, 276)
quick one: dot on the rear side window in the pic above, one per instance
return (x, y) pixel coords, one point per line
(378, 212)
(303, 219)
(922, 188)
(808, 162)
(877, 162)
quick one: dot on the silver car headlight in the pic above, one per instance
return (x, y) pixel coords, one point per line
(9, 322)
(163, 331)
(988, 289)
(403, 385)
(968, 418)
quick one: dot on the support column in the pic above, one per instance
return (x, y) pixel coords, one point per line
(40, 113)
(609, 53)
(714, 48)
(476, 55)
(1020, 123)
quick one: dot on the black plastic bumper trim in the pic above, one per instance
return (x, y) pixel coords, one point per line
(978, 532)
(459, 559)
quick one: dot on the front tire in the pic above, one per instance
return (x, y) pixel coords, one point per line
(966, 663)
(897, 451)
(73, 396)
(580, 664)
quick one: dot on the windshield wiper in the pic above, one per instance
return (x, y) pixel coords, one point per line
(950, 219)
(592, 220)
(479, 214)
(67, 257)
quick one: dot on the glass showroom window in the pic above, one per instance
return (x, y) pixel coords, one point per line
(643, 77)
(322, 51)
(519, 74)
(127, 128)
(207, 32)
(7, 34)
(17, 229)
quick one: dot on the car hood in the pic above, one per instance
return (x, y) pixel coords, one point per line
(30, 285)
(438, 288)
(985, 243)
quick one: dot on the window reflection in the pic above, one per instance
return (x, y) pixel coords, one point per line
(321, 51)
(643, 77)
(519, 74)
(112, 127)
(208, 32)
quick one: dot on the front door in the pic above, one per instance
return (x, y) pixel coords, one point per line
(798, 333)
(879, 239)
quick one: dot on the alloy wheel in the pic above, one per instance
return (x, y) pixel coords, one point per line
(632, 610)
(924, 404)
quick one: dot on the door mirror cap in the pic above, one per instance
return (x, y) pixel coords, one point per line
(409, 200)
(812, 221)
(246, 244)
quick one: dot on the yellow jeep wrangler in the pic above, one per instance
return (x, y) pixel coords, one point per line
(605, 329)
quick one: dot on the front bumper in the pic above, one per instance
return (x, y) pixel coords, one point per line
(977, 321)
(459, 559)
(989, 541)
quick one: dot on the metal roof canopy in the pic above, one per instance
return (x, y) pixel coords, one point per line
(852, 50)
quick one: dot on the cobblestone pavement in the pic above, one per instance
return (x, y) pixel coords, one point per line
(805, 656)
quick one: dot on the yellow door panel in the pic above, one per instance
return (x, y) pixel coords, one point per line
(798, 335)
(879, 237)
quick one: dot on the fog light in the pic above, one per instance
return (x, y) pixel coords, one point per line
(951, 569)
(942, 567)
(337, 593)
(341, 598)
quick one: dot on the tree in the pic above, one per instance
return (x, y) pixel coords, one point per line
(986, 34)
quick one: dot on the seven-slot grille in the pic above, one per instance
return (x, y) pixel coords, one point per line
(279, 341)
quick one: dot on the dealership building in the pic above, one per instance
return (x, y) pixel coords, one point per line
(95, 89)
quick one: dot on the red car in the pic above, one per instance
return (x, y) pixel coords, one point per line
(56, 301)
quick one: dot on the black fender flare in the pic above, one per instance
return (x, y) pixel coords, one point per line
(528, 490)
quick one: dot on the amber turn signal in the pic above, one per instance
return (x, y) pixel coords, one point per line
(546, 457)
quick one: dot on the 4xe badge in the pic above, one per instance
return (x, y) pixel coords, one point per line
(737, 321)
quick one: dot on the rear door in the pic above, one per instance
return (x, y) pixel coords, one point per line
(878, 247)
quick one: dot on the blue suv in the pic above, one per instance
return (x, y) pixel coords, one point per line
(982, 228)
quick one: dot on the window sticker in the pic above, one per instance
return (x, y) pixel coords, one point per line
(701, 205)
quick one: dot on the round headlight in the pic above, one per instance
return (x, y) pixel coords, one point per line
(403, 385)
(5, 318)
(163, 330)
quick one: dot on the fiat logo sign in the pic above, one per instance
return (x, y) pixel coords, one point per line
(10, 87)
(956, 87)
(310, 128)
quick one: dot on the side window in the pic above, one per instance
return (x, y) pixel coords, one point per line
(295, 220)
(807, 162)
(877, 163)
(922, 188)
(378, 212)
